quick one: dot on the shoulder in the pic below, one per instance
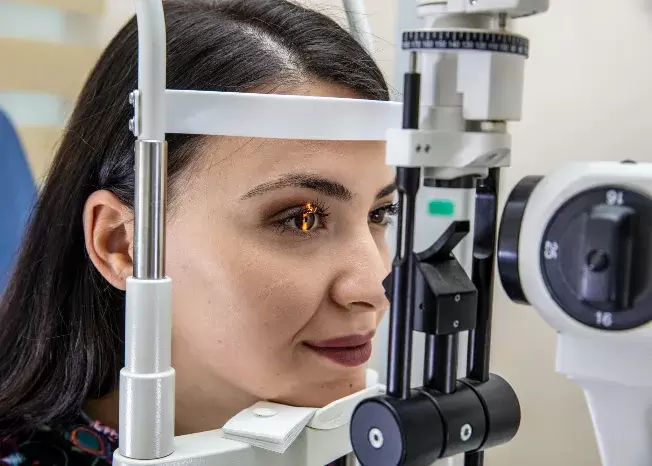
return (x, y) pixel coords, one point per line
(82, 442)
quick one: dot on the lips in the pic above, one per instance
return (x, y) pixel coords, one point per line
(348, 351)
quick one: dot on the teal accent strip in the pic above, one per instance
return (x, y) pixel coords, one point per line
(441, 207)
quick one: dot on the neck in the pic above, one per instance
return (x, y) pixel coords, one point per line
(196, 409)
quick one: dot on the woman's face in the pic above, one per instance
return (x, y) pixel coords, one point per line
(277, 252)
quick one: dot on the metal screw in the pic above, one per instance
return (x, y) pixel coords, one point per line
(466, 432)
(427, 148)
(132, 97)
(457, 298)
(418, 147)
(597, 260)
(456, 323)
(132, 125)
(473, 2)
(376, 438)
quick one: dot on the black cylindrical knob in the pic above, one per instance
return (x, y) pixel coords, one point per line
(464, 419)
(502, 409)
(387, 431)
(509, 237)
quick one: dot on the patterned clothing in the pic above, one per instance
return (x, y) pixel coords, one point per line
(84, 442)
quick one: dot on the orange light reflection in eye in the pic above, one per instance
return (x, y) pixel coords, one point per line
(308, 209)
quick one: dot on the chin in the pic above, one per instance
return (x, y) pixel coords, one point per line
(324, 392)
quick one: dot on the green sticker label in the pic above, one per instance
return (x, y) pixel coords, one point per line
(441, 207)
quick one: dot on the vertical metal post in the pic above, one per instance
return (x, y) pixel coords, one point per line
(484, 249)
(147, 395)
(151, 194)
(401, 312)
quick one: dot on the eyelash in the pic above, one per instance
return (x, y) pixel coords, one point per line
(321, 212)
(391, 210)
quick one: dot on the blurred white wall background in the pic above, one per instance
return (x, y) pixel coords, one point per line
(587, 97)
(46, 49)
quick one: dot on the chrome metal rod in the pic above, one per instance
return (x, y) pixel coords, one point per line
(151, 195)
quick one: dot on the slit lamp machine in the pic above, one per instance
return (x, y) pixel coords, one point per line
(575, 245)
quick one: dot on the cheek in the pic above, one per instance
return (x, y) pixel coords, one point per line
(233, 295)
(278, 297)
(383, 246)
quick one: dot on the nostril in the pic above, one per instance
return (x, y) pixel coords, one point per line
(363, 304)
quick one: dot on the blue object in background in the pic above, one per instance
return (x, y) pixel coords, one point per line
(17, 195)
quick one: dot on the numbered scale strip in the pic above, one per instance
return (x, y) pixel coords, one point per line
(465, 39)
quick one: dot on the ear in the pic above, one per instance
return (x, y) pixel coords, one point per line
(108, 233)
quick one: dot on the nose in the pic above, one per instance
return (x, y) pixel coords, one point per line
(358, 285)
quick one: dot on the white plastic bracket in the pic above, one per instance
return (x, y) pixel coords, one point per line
(447, 149)
(514, 8)
(618, 391)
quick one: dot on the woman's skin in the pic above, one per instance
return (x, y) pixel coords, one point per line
(274, 248)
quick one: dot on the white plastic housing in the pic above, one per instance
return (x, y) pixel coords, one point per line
(612, 366)
(147, 380)
(551, 193)
(447, 149)
(621, 418)
(313, 447)
(492, 85)
(325, 439)
(513, 8)
(487, 85)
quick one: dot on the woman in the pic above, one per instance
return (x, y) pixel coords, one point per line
(276, 247)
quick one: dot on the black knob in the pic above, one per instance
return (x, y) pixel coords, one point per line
(509, 236)
(595, 257)
(387, 431)
(607, 275)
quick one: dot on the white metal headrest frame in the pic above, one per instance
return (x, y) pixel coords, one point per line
(279, 116)
(152, 59)
(247, 114)
(147, 384)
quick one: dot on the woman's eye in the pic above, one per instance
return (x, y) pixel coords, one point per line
(305, 219)
(383, 215)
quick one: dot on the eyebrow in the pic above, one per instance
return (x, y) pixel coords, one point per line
(317, 183)
(386, 191)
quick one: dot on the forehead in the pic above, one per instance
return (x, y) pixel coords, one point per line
(241, 163)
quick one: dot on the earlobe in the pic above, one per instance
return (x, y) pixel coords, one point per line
(108, 235)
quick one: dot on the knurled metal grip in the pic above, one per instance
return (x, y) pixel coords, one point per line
(456, 40)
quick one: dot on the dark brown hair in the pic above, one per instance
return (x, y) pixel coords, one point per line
(61, 323)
